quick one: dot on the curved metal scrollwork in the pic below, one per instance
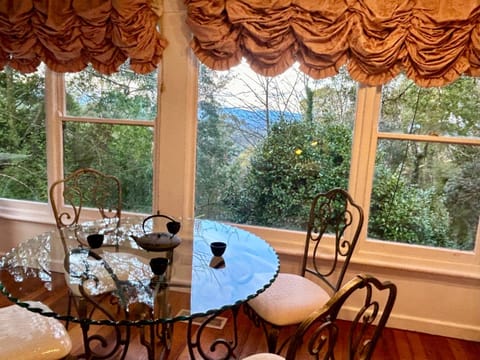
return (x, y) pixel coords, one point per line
(321, 331)
(222, 348)
(85, 188)
(87, 305)
(154, 336)
(322, 341)
(332, 213)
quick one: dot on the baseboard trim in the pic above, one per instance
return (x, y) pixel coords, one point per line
(424, 325)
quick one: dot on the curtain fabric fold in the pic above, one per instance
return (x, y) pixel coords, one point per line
(432, 41)
(67, 35)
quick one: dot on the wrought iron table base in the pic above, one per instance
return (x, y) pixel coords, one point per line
(194, 340)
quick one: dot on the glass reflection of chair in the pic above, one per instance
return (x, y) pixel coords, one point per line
(327, 253)
(86, 188)
(324, 336)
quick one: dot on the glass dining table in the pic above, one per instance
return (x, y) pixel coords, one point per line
(123, 292)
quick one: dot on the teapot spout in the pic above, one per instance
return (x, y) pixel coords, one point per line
(134, 238)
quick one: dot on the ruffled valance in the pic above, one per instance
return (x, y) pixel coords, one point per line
(67, 35)
(432, 41)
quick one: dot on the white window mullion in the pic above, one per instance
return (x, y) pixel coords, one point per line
(54, 109)
(175, 129)
(364, 146)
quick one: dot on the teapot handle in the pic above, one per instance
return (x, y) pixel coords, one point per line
(173, 226)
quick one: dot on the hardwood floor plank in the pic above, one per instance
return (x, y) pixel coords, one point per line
(387, 347)
(403, 346)
(462, 349)
(436, 347)
(416, 345)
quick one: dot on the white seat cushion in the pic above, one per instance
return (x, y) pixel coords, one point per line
(264, 356)
(25, 335)
(289, 300)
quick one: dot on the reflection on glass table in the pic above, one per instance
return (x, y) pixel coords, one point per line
(123, 291)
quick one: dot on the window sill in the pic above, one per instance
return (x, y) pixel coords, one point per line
(29, 211)
(413, 264)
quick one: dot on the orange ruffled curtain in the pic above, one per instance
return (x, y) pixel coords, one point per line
(432, 41)
(67, 35)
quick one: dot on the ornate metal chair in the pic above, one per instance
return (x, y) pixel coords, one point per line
(86, 188)
(322, 336)
(293, 297)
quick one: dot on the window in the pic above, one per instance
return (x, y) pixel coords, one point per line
(266, 145)
(23, 173)
(153, 150)
(109, 126)
(427, 173)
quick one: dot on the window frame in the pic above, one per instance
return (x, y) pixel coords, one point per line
(391, 254)
(372, 251)
(58, 118)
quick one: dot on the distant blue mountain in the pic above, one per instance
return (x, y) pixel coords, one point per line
(256, 119)
(257, 115)
(251, 124)
(248, 115)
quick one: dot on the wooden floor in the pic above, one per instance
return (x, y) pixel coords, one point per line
(394, 344)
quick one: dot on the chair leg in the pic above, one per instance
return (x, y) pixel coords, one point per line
(69, 310)
(270, 331)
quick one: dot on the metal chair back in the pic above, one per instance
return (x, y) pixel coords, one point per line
(334, 216)
(324, 336)
(85, 188)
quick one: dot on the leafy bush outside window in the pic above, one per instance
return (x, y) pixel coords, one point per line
(23, 163)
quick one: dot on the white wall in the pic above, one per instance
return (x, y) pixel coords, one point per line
(12, 232)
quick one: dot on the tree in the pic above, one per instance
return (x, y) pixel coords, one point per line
(296, 161)
(428, 167)
(262, 101)
(22, 136)
(300, 156)
(216, 172)
(462, 193)
(402, 212)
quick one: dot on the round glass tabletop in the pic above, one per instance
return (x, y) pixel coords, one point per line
(120, 268)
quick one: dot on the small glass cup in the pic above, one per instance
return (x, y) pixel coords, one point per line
(218, 248)
(159, 265)
(95, 240)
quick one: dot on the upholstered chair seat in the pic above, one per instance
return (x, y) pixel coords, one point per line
(264, 356)
(25, 335)
(289, 300)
